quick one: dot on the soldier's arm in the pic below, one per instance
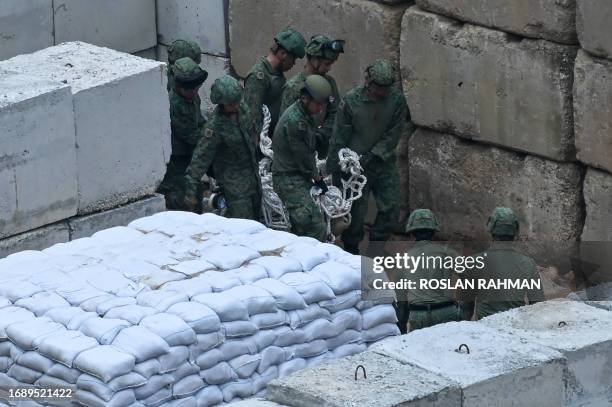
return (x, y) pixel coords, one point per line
(385, 147)
(326, 130)
(340, 137)
(298, 144)
(202, 159)
(535, 295)
(290, 95)
(182, 126)
(254, 89)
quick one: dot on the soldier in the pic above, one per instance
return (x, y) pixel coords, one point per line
(264, 82)
(294, 169)
(370, 121)
(228, 145)
(186, 122)
(181, 49)
(321, 54)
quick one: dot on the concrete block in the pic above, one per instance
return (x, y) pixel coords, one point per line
(389, 383)
(122, 119)
(254, 403)
(499, 370)
(593, 25)
(593, 111)
(150, 53)
(37, 239)
(38, 172)
(598, 200)
(463, 181)
(372, 31)
(85, 226)
(123, 25)
(582, 333)
(25, 26)
(547, 19)
(203, 21)
(487, 86)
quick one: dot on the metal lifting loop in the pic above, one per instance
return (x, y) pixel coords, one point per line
(562, 323)
(357, 370)
(467, 349)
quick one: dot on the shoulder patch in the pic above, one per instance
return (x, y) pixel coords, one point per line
(208, 133)
(259, 75)
(301, 125)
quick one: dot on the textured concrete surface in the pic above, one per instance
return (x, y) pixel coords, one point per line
(25, 26)
(123, 25)
(372, 31)
(121, 115)
(36, 239)
(496, 366)
(201, 21)
(593, 25)
(598, 200)
(548, 19)
(85, 226)
(463, 181)
(593, 111)
(38, 172)
(582, 333)
(487, 86)
(150, 53)
(254, 403)
(389, 383)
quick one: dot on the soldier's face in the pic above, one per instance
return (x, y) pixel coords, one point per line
(314, 108)
(378, 92)
(325, 65)
(287, 61)
(188, 93)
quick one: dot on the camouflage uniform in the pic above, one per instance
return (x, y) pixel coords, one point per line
(229, 146)
(181, 49)
(371, 129)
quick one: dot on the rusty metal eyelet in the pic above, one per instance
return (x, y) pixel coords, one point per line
(357, 370)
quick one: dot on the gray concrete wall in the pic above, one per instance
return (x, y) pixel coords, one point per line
(598, 200)
(594, 28)
(25, 26)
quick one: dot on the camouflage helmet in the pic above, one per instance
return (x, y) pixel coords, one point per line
(183, 48)
(225, 90)
(292, 41)
(422, 219)
(503, 222)
(318, 88)
(322, 47)
(188, 74)
(381, 72)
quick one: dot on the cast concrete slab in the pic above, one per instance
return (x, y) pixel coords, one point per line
(25, 26)
(594, 28)
(389, 383)
(38, 171)
(121, 115)
(150, 53)
(487, 86)
(37, 239)
(254, 403)
(123, 25)
(581, 332)
(499, 369)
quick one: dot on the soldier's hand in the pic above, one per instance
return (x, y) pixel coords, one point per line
(321, 184)
(190, 202)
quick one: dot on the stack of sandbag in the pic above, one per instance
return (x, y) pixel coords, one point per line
(181, 309)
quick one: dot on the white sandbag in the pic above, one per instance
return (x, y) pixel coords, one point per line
(152, 223)
(228, 257)
(190, 287)
(270, 320)
(104, 330)
(277, 266)
(347, 319)
(41, 302)
(285, 336)
(380, 332)
(333, 252)
(159, 398)
(51, 279)
(141, 343)
(294, 365)
(268, 240)
(287, 298)
(184, 370)
(233, 226)
(262, 339)
(232, 348)
(378, 315)
(170, 328)
(114, 302)
(245, 365)
(204, 343)
(78, 292)
(311, 313)
(23, 374)
(320, 329)
(249, 273)
(77, 321)
(256, 299)
(373, 298)
(63, 315)
(105, 362)
(176, 356)
(100, 389)
(342, 302)
(11, 315)
(54, 383)
(28, 334)
(148, 368)
(219, 374)
(65, 346)
(121, 399)
(160, 277)
(91, 305)
(311, 287)
(261, 380)
(306, 350)
(198, 316)
(64, 373)
(209, 396)
(238, 329)
(5, 347)
(152, 386)
(187, 386)
(317, 360)
(16, 351)
(118, 235)
(18, 289)
(7, 381)
(237, 390)
(160, 300)
(5, 363)
(131, 313)
(35, 361)
(4, 302)
(184, 402)
(271, 356)
(219, 281)
(340, 277)
(309, 255)
(224, 305)
(192, 268)
(209, 359)
(348, 350)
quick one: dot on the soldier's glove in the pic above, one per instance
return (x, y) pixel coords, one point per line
(321, 184)
(190, 202)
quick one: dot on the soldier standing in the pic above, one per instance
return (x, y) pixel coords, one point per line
(294, 168)
(181, 49)
(186, 122)
(264, 82)
(370, 121)
(228, 145)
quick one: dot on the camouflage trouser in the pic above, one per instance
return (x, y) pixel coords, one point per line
(418, 319)
(173, 184)
(383, 181)
(305, 217)
(245, 207)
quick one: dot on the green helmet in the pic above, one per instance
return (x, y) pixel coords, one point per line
(322, 47)
(292, 41)
(503, 222)
(318, 88)
(422, 219)
(183, 48)
(225, 90)
(188, 74)
(381, 72)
